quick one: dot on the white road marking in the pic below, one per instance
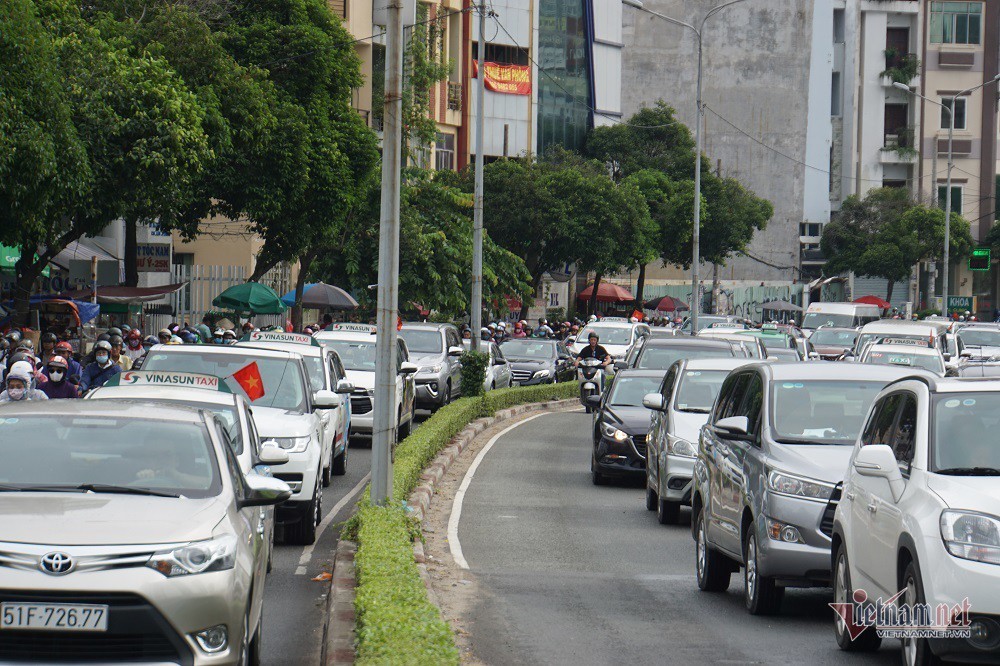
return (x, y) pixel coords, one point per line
(456, 508)
(325, 523)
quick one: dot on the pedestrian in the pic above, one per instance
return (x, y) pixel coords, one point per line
(58, 385)
(101, 370)
(117, 356)
(20, 384)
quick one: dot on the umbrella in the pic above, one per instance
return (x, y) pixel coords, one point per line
(666, 304)
(874, 300)
(780, 306)
(607, 293)
(322, 295)
(250, 297)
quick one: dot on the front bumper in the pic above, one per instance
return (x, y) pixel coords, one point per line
(431, 389)
(532, 381)
(151, 618)
(794, 564)
(619, 458)
(300, 473)
(676, 483)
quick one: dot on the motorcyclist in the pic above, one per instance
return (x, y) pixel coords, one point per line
(58, 385)
(73, 369)
(229, 337)
(593, 350)
(20, 384)
(543, 330)
(164, 335)
(101, 370)
(116, 353)
(133, 345)
(484, 334)
(48, 340)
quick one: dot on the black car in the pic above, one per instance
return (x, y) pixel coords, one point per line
(661, 353)
(621, 424)
(537, 361)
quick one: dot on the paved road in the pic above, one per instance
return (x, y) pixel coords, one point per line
(579, 574)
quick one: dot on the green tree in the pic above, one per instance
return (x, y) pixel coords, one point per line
(652, 139)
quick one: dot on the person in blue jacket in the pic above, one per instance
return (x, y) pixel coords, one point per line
(101, 370)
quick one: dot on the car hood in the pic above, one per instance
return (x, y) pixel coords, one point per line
(361, 379)
(985, 351)
(617, 351)
(687, 425)
(98, 519)
(975, 493)
(272, 422)
(826, 462)
(632, 420)
(829, 350)
(425, 360)
(528, 364)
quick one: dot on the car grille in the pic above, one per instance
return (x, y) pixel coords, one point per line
(826, 523)
(521, 375)
(136, 633)
(361, 402)
(639, 444)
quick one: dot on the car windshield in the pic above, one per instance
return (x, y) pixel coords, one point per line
(226, 414)
(907, 358)
(140, 453)
(314, 366)
(979, 338)
(354, 354)
(422, 341)
(528, 349)
(284, 385)
(817, 319)
(607, 335)
(661, 358)
(833, 338)
(821, 411)
(704, 322)
(966, 427)
(629, 391)
(775, 341)
(698, 389)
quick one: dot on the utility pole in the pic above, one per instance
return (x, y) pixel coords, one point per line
(477, 219)
(383, 430)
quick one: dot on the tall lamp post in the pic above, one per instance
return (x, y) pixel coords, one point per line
(951, 165)
(699, 114)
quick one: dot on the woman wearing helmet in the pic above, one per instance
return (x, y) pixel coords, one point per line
(133, 345)
(58, 385)
(20, 384)
(101, 370)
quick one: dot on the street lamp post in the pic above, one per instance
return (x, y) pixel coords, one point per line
(951, 165)
(699, 114)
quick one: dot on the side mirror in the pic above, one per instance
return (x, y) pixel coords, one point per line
(947, 356)
(407, 368)
(594, 400)
(653, 401)
(965, 354)
(264, 491)
(324, 399)
(735, 427)
(499, 361)
(621, 365)
(456, 351)
(878, 460)
(271, 454)
(344, 386)
(571, 339)
(814, 355)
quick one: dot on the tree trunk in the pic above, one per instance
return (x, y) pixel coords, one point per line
(23, 282)
(592, 306)
(131, 254)
(888, 290)
(261, 268)
(715, 289)
(304, 262)
(640, 286)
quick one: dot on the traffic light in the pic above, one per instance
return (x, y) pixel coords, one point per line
(980, 259)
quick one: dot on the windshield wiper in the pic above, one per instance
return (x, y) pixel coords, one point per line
(125, 490)
(969, 471)
(694, 410)
(801, 440)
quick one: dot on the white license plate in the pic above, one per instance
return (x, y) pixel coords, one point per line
(54, 617)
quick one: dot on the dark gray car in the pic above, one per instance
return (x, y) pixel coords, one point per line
(537, 361)
(435, 349)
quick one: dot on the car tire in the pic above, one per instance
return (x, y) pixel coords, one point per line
(596, 477)
(447, 395)
(404, 430)
(667, 512)
(761, 595)
(712, 569)
(255, 654)
(651, 497)
(340, 463)
(868, 640)
(326, 475)
(916, 651)
(304, 532)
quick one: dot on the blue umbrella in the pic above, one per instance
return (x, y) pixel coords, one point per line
(322, 295)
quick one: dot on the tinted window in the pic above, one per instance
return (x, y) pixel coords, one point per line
(420, 341)
(753, 399)
(731, 395)
(902, 438)
(879, 430)
(314, 365)
(966, 430)
(660, 358)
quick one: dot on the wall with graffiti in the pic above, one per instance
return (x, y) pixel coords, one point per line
(737, 298)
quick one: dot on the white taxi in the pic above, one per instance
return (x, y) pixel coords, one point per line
(919, 516)
(355, 345)
(908, 353)
(616, 334)
(326, 373)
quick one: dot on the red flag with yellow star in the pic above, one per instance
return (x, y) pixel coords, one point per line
(250, 381)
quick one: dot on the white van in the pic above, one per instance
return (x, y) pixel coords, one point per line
(839, 315)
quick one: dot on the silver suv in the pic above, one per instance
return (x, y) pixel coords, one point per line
(435, 349)
(771, 462)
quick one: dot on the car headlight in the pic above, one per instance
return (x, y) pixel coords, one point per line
(216, 554)
(542, 373)
(681, 447)
(611, 432)
(971, 536)
(797, 486)
(293, 444)
(429, 370)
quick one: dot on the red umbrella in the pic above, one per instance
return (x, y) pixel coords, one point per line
(666, 304)
(607, 293)
(874, 300)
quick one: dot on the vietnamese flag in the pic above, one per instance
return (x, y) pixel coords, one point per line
(637, 314)
(250, 381)
(399, 323)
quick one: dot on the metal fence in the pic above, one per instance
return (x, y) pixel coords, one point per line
(204, 283)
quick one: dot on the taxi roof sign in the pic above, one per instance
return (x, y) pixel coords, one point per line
(351, 327)
(154, 378)
(904, 341)
(769, 327)
(614, 319)
(727, 324)
(277, 336)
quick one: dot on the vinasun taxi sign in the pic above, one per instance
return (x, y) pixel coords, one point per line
(509, 79)
(151, 378)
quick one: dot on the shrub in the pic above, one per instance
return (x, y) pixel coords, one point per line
(474, 372)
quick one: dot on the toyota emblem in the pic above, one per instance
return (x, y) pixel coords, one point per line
(56, 564)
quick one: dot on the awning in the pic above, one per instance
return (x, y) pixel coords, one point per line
(607, 293)
(127, 294)
(83, 250)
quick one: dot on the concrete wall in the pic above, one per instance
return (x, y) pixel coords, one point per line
(756, 75)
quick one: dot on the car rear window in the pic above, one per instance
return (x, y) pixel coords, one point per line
(661, 358)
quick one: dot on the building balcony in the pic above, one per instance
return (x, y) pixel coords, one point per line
(454, 96)
(901, 67)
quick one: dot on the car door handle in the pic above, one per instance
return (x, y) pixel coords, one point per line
(850, 496)
(873, 507)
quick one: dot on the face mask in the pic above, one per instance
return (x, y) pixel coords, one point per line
(56, 375)
(16, 393)
(102, 359)
(217, 341)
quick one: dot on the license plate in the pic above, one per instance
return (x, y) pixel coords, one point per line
(54, 617)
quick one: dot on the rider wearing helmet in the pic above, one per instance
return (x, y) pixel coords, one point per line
(101, 370)
(133, 345)
(593, 350)
(48, 340)
(113, 331)
(229, 337)
(58, 385)
(73, 369)
(116, 353)
(20, 384)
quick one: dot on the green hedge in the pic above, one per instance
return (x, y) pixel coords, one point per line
(396, 622)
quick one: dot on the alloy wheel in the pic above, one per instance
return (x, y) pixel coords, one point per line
(702, 550)
(840, 592)
(750, 568)
(910, 644)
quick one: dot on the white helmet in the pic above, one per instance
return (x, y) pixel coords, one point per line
(22, 370)
(592, 318)
(633, 320)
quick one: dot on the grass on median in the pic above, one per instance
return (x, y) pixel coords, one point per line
(396, 622)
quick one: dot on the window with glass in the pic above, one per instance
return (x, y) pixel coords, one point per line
(698, 389)
(564, 92)
(629, 391)
(661, 358)
(965, 428)
(956, 197)
(959, 104)
(820, 411)
(422, 341)
(956, 22)
(444, 152)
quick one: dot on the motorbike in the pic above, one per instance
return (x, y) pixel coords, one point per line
(590, 375)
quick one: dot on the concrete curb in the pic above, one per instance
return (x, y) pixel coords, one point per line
(338, 634)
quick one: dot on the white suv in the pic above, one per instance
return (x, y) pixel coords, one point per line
(920, 513)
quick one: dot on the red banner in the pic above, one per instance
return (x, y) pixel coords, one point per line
(509, 79)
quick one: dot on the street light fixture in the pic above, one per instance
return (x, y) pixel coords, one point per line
(699, 113)
(951, 165)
